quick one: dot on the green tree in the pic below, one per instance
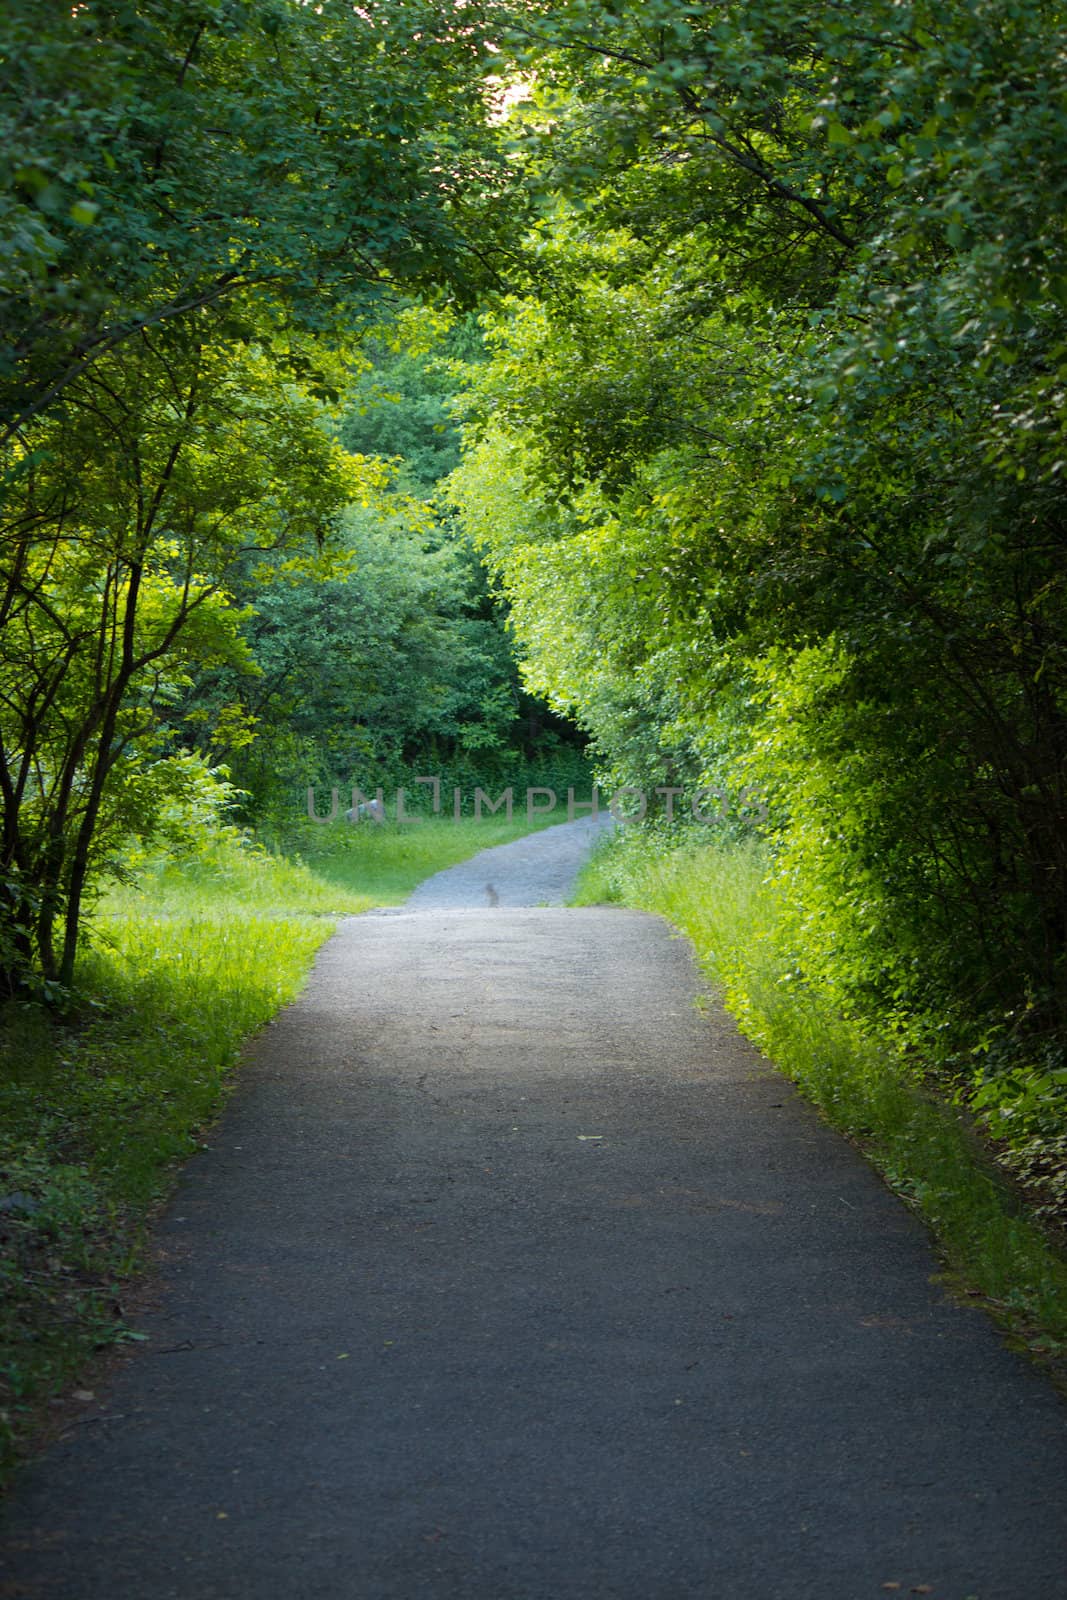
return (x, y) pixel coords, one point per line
(358, 677)
(165, 156)
(401, 661)
(199, 205)
(779, 420)
(114, 568)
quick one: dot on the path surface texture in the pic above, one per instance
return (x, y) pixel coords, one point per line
(537, 870)
(511, 1274)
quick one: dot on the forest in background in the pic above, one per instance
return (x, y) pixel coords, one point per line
(214, 223)
(411, 388)
(395, 663)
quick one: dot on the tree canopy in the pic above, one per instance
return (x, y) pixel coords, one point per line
(768, 458)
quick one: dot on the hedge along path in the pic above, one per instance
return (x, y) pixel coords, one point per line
(511, 1274)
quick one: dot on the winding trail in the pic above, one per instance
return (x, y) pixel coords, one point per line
(511, 1274)
(537, 870)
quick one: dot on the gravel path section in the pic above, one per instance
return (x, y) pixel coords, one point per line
(512, 1274)
(538, 870)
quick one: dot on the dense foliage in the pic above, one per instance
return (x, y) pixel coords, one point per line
(769, 459)
(395, 662)
(202, 206)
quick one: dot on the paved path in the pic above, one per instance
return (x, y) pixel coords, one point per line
(537, 870)
(510, 1275)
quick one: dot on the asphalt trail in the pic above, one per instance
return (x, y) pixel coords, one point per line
(512, 1275)
(539, 869)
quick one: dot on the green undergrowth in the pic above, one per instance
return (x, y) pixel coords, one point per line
(99, 1105)
(924, 1147)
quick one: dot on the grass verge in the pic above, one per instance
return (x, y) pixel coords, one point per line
(717, 896)
(98, 1108)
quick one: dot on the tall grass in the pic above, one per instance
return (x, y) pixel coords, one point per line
(719, 897)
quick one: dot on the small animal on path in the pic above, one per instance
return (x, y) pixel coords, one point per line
(369, 808)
